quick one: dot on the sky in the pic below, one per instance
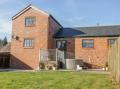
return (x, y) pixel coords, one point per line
(70, 13)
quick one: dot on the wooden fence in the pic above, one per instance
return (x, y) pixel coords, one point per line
(114, 60)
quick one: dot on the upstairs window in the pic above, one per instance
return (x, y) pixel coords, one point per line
(30, 21)
(28, 43)
(87, 43)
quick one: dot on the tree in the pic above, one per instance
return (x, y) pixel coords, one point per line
(1, 44)
(4, 41)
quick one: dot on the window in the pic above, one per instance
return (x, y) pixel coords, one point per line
(61, 44)
(87, 43)
(111, 42)
(30, 21)
(28, 42)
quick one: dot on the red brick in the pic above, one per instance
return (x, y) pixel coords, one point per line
(42, 32)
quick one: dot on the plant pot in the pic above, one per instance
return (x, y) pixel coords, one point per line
(54, 68)
(106, 68)
(103, 68)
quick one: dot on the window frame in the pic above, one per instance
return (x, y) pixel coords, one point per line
(61, 41)
(88, 46)
(32, 45)
(29, 17)
(108, 41)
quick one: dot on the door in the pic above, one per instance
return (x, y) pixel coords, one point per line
(61, 45)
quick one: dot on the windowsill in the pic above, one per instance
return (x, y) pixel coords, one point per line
(30, 26)
(28, 47)
(88, 48)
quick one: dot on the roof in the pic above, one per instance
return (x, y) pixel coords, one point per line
(35, 8)
(26, 9)
(6, 48)
(56, 21)
(97, 31)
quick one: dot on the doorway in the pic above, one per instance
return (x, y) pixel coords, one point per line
(4, 61)
(61, 45)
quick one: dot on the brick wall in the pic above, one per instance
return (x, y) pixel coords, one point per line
(42, 33)
(28, 58)
(95, 57)
(71, 46)
(53, 29)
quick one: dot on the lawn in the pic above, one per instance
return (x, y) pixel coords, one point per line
(55, 80)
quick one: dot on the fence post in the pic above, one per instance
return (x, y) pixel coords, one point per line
(114, 60)
(56, 55)
(118, 61)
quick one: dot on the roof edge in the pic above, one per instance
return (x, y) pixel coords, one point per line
(87, 36)
(95, 26)
(27, 8)
(56, 20)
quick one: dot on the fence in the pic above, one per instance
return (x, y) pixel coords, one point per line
(114, 60)
(47, 55)
(55, 56)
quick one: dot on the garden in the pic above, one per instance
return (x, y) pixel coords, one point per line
(56, 80)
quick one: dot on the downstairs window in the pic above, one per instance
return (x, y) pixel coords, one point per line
(28, 43)
(87, 43)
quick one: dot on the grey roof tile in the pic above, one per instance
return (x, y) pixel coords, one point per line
(89, 31)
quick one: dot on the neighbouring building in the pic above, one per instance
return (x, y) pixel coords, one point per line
(34, 29)
(5, 56)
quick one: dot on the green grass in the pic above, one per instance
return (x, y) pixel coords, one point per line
(55, 80)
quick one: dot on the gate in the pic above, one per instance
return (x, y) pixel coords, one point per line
(61, 59)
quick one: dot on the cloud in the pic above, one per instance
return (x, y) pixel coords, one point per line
(72, 4)
(75, 21)
(5, 27)
(6, 14)
(6, 2)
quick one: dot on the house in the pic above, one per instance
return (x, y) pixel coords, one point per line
(34, 29)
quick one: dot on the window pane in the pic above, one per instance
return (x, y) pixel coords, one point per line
(28, 42)
(91, 45)
(88, 43)
(30, 21)
(84, 45)
(61, 44)
(58, 44)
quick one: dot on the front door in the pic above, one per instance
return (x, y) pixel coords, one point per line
(61, 45)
